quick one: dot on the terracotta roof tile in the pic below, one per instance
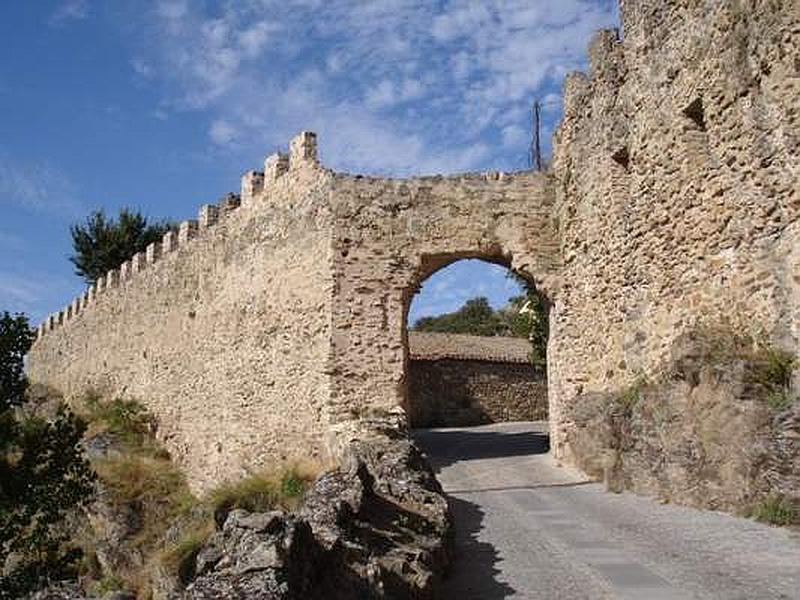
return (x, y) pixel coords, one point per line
(434, 346)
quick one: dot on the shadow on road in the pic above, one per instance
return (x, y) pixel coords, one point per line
(475, 571)
(447, 447)
(474, 575)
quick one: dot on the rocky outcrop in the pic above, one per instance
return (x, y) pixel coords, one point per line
(377, 527)
(706, 433)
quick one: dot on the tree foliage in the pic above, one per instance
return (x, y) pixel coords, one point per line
(101, 244)
(475, 317)
(43, 474)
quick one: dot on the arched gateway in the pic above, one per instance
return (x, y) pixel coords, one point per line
(276, 320)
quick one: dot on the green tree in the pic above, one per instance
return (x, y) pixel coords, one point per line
(43, 474)
(101, 243)
(475, 317)
(531, 318)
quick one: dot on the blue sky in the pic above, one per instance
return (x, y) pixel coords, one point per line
(162, 104)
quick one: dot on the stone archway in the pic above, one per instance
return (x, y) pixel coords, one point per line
(390, 235)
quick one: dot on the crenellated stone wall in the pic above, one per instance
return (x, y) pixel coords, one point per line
(678, 191)
(222, 330)
(269, 326)
(273, 328)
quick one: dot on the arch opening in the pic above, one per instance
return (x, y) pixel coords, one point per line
(475, 339)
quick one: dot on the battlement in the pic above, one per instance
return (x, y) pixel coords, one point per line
(302, 157)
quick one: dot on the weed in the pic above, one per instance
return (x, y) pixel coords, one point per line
(630, 396)
(109, 583)
(776, 510)
(154, 486)
(127, 420)
(179, 558)
(261, 492)
(779, 400)
(775, 367)
(293, 485)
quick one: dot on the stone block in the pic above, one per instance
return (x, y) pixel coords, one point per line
(208, 215)
(303, 150)
(169, 242)
(125, 271)
(187, 231)
(112, 278)
(138, 262)
(252, 186)
(275, 165)
(229, 202)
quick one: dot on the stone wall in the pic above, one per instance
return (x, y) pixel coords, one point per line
(465, 380)
(463, 393)
(677, 192)
(223, 336)
(390, 235)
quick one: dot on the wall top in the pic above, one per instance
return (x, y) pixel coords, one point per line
(436, 346)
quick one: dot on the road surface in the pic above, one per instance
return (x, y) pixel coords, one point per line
(526, 528)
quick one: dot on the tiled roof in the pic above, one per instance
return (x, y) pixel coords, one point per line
(433, 346)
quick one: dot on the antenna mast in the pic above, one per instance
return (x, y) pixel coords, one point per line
(536, 150)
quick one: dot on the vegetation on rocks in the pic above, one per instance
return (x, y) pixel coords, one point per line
(145, 527)
(262, 492)
(777, 510)
(718, 428)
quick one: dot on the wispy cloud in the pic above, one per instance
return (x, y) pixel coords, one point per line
(393, 86)
(32, 295)
(69, 10)
(38, 187)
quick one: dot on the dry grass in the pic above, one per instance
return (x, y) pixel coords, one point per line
(264, 491)
(142, 477)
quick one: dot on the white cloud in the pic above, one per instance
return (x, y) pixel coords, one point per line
(172, 10)
(222, 132)
(381, 95)
(39, 187)
(33, 293)
(395, 86)
(70, 10)
(141, 67)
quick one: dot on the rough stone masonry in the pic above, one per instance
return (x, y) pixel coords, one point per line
(270, 329)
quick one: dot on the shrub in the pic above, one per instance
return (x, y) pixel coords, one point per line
(104, 585)
(153, 486)
(43, 475)
(772, 368)
(776, 510)
(630, 396)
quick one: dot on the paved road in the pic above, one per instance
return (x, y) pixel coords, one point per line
(528, 529)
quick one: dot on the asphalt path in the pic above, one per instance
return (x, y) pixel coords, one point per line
(527, 528)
